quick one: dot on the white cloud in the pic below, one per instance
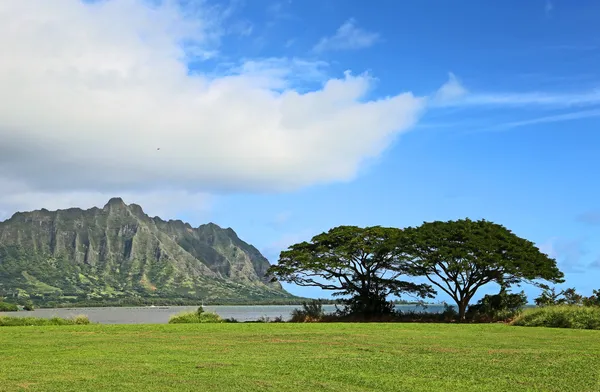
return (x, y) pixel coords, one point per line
(348, 36)
(451, 91)
(91, 91)
(551, 119)
(540, 99)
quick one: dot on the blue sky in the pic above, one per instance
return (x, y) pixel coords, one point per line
(520, 165)
(503, 123)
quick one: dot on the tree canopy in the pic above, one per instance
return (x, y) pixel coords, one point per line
(362, 263)
(461, 256)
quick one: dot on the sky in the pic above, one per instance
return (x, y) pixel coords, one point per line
(284, 118)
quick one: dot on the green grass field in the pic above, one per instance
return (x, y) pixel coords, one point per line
(298, 357)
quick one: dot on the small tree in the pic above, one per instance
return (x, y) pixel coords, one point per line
(361, 263)
(461, 256)
(548, 297)
(592, 300)
(571, 297)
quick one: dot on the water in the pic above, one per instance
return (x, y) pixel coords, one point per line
(161, 314)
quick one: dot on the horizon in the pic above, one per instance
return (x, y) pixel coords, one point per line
(282, 119)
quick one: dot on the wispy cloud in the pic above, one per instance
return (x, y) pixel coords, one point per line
(534, 98)
(551, 119)
(454, 94)
(451, 91)
(348, 36)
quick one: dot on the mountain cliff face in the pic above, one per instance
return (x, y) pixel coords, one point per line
(119, 252)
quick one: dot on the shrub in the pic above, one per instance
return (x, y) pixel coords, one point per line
(81, 319)
(560, 316)
(310, 312)
(6, 307)
(195, 318)
(6, 321)
(499, 307)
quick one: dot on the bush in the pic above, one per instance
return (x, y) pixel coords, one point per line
(499, 307)
(195, 318)
(560, 316)
(6, 321)
(310, 312)
(6, 307)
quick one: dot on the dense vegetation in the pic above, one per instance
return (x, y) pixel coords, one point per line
(6, 321)
(560, 316)
(118, 254)
(7, 307)
(197, 317)
(367, 265)
(299, 357)
(360, 263)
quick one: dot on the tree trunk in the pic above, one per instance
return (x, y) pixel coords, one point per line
(462, 309)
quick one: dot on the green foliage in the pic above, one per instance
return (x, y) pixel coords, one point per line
(360, 263)
(548, 297)
(200, 311)
(195, 318)
(310, 312)
(6, 307)
(461, 256)
(6, 321)
(118, 253)
(570, 296)
(498, 307)
(592, 300)
(560, 316)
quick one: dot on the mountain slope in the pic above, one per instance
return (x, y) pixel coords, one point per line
(120, 253)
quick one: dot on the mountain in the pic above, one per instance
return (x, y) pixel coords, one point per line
(118, 254)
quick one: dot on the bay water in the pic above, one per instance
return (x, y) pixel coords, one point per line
(161, 314)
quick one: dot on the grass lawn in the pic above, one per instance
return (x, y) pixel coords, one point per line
(298, 357)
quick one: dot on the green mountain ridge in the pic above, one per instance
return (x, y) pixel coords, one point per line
(119, 253)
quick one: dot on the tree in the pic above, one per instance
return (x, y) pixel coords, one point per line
(461, 256)
(548, 297)
(358, 262)
(571, 297)
(592, 300)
